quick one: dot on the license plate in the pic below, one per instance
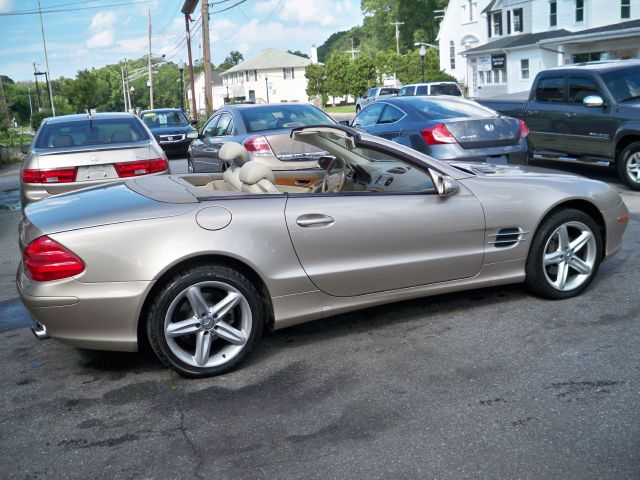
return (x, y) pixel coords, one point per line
(92, 173)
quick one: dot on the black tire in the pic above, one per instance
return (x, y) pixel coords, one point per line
(630, 154)
(538, 275)
(171, 305)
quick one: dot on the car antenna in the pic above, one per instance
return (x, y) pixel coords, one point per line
(90, 111)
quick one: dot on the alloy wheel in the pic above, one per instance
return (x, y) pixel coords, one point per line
(633, 167)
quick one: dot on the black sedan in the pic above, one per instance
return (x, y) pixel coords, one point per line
(171, 128)
(264, 130)
(447, 128)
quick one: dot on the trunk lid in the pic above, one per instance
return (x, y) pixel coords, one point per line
(484, 132)
(103, 205)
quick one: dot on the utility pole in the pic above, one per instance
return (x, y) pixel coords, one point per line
(187, 9)
(46, 59)
(353, 51)
(207, 56)
(124, 89)
(397, 24)
(35, 75)
(150, 69)
(30, 107)
(266, 84)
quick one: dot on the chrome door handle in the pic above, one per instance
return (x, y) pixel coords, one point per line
(314, 220)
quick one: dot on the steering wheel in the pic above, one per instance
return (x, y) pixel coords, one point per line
(333, 182)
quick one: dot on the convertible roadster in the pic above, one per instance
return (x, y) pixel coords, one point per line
(199, 264)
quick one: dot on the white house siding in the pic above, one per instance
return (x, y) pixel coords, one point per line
(280, 89)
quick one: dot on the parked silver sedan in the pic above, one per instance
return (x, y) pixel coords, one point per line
(77, 151)
(199, 264)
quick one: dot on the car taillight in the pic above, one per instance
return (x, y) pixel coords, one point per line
(57, 175)
(141, 167)
(524, 130)
(258, 146)
(437, 134)
(45, 259)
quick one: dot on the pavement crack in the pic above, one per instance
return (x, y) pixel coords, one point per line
(196, 451)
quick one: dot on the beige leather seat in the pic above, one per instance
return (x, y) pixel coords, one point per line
(257, 178)
(234, 155)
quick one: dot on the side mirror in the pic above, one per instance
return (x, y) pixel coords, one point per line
(344, 123)
(444, 184)
(593, 101)
(325, 161)
(24, 148)
(194, 122)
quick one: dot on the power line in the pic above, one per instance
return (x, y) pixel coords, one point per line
(60, 10)
(265, 18)
(229, 8)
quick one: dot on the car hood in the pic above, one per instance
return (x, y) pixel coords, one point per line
(91, 207)
(172, 129)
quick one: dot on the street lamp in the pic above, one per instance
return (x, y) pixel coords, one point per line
(423, 52)
(181, 68)
(131, 102)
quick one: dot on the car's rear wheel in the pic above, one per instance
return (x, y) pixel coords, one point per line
(564, 255)
(205, 321)
(628, 164)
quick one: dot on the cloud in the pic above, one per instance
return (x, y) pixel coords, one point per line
(321, 12)
(103, 21)
(101, 40)
(6, 6)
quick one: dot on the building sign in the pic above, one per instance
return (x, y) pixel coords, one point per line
(484, 63)
(499, 61)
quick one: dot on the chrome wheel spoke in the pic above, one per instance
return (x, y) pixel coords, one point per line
(553, 258)
(185, 327)
(223, 307)
(563, 238)
(580, 266)
(576, 245)
(203, 346)
(230, 334)
(561, 277)
(197, 302)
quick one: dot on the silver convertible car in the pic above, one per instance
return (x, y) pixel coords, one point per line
(199, 264)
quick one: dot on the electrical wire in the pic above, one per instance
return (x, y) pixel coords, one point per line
(229, 8)
(60, 10)
(265, 18)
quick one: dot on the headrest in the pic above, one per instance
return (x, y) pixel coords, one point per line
(121, 136)
(63, 141)
(233, 153)
(253, 172)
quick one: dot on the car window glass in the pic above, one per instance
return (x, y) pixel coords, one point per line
(96, 131)
(390, 114)
(580, 87)
(222, 125)
(624, 84)
(164, 119)
(422, 90)
(388, 91)
(404, 91)
(210, 126)
(271, 117)
(550, 89)
(369, 116)
(370, 93)
(443, 107)
(446, 89)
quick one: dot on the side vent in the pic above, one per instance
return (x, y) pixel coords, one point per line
(506, 237)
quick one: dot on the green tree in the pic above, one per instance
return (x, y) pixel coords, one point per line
(233, 59)
(361, 75)
(336, 82)
(315, 74)
(298, 53)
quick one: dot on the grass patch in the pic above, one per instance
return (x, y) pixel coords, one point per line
(341, 109)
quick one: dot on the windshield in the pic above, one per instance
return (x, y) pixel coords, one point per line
(442, 108)
(164, 119)
(87, 132)
(624, 84)
(278, 116)
(446, 89)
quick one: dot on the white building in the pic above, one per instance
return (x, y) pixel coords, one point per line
(497, 47)
(219, 92)
(271, 76)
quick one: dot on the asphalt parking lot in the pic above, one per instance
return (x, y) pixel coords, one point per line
(492, 383)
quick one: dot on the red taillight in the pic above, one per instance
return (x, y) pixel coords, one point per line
(58, 175)
(141, 167)
(258, 146)
(45, 259)
(524, 130)
(437, 135)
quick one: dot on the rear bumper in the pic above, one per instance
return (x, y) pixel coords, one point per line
(513, 154)
(100, 316)
(176, 147)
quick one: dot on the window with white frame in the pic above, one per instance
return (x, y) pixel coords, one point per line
(452, 55)
(517, 20)
(288, 73)
(625, 8)
(579, 10)
(497, 23)
(524, 68)
(553, 13)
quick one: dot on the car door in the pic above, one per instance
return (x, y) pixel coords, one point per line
(198, 154)
(591, 129)
(545, 117)
(358, 243)
(368, 118)
(212, 143)
(389, 123)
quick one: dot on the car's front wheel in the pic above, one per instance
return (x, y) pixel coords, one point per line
(628, 164)
(564, 256)
(205, 321)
